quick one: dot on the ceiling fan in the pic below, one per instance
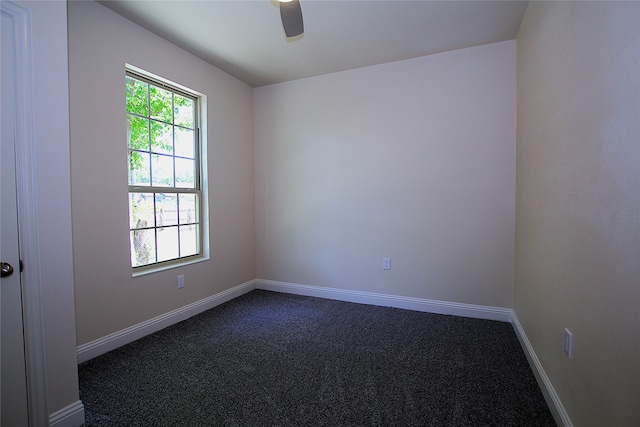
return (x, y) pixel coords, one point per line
(291, 14)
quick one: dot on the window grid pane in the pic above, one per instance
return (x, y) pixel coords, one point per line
(164, 188)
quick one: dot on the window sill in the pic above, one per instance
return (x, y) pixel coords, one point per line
(169, 266)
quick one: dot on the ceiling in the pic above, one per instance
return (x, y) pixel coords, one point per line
(245, 38)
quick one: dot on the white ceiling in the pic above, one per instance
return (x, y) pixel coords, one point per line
(245, 37)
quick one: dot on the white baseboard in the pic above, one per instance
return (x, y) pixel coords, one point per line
(117, 339)
(71, 416)
(550, 395)
(385, 300)
(125, 336)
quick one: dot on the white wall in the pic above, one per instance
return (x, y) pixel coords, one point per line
(413, 160)
(108, 299)
(578, 199)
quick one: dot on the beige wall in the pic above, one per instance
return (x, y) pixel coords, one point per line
(412, 160)
(108, 299)
(578, 199)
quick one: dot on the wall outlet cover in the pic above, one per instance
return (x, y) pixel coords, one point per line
(568, 341)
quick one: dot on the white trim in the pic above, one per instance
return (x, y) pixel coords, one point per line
(125, 336)
(110, 342)
(386, 300)
(27, 210)
(550, 395)
(70, 416)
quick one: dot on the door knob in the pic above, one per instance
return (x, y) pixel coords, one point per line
(7, 270)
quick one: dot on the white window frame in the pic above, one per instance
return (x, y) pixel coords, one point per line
(200, 176)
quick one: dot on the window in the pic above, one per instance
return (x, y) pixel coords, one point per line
(165, 173)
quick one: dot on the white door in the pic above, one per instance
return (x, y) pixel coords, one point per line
(13, 393)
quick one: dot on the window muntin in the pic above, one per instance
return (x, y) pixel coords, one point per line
(164, 172)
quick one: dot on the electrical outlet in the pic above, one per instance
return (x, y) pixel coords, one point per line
(181, 281)
(386, 263)
(568, 341)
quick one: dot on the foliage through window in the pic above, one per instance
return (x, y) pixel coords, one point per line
(164, 172)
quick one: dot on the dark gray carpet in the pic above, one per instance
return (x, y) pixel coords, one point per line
(270, 359)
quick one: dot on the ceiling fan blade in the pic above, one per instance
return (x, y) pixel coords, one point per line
(291, 14)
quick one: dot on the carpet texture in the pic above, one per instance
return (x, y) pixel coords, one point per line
(271, 359)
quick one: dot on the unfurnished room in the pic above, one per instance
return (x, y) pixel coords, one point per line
(310, 212)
